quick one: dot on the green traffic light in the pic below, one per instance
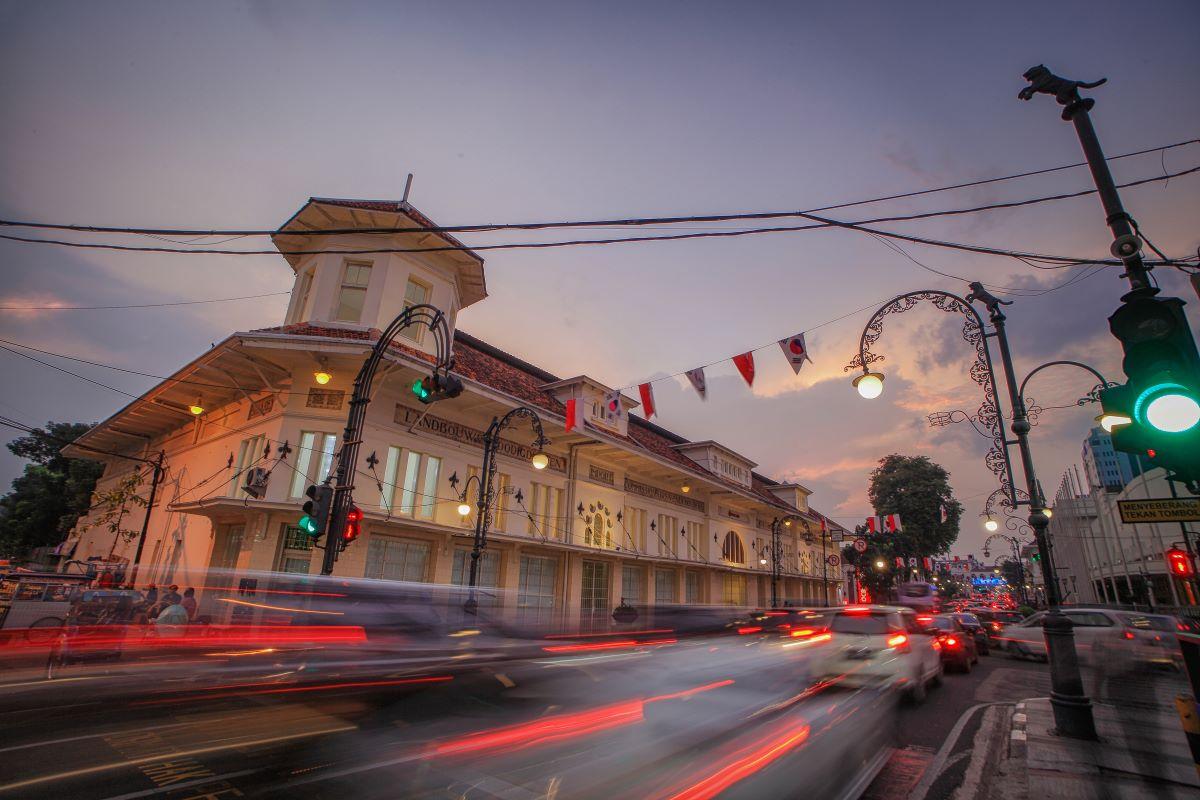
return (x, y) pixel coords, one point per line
(418, 388)
(1171, 411)
(307, 524)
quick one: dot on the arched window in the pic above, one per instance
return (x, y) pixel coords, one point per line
(732, 549)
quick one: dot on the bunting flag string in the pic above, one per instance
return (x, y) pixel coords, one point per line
(647, 393)
(745, 365)
(696, 378)
(795, 351)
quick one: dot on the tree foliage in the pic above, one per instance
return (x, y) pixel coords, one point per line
(917, 489)
(46, 501)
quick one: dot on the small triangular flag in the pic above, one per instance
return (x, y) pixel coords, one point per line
(696, 378)
(647, 393)
(795, 351)
(745, 365)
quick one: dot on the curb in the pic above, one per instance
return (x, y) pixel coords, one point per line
(1017, 737)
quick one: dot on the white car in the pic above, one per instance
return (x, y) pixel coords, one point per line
(879, 645)
(1101, 636)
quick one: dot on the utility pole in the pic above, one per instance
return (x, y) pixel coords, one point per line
(154, 481)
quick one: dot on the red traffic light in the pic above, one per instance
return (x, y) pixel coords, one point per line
(1179, 563)
(353, 518)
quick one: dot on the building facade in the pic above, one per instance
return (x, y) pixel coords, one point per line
(1104, 465)
(625, 510)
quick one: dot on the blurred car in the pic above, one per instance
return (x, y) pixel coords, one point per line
(955, 642)
(879, 644)
(1152, 638)
(975, 627)
(918, 595)
(994, 622)
(1101, 635)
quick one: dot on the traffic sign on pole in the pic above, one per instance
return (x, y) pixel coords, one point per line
(860, 545)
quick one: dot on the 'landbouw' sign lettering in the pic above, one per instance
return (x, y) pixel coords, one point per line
(1163, 509)
(462, 433)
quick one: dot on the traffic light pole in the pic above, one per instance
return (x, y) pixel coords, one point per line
(343, 490)
(1127, 245)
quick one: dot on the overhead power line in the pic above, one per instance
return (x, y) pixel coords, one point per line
(582, 223)
(818, 222)
(142, 305)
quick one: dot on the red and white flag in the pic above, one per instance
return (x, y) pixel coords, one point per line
(824, 527)
(647, 393)
(795, 351)
(575, 414)
(873, 525)
(745, 365)
(928, 563)
(696, 378)
(891, 523)
(899, 562)
(945, 515)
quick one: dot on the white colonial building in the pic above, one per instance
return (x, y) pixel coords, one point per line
(625, 509)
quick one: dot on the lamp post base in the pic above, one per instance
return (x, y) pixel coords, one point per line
(1072, 709)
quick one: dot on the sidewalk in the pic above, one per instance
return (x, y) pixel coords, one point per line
(1008, 751)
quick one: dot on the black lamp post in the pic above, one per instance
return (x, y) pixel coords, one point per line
(440, 384)
(1072, 709)
(486, 479)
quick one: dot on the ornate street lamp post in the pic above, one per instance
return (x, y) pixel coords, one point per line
(441, 384)
(486, 479)
(1072, 709)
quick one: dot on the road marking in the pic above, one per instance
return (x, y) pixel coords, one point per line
(1018, 736)
(938, 764)
(76, 773)
(1019, 718)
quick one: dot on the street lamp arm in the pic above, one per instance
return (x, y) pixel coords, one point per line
(498, 425)
(1104, 382)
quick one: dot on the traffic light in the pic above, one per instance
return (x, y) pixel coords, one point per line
(1179, 563)
(436, 387)
(316, 510)
(1035, 556)
(353, 525)
(1156, 414)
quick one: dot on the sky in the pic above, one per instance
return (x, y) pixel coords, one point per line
(229, 115)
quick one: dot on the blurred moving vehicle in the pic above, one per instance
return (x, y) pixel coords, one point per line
(36, 604)
(975, 627)
(994, 622)
(957, 644)
(1103, 636)
(880, 644)
(918, 595)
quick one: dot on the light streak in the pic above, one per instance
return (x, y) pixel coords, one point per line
(235, 601)
(749, 761)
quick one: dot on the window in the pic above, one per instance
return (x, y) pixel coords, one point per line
(396, 559)
(296, 552)
(545, 504)
(668, 531)
(664, 587)
(415, 293)
(250, 452)
(692, 591)
(695, 535)
(536, 589)
(633, 585)
(1089, 619)
(635, 527)
(732, 549)
(314, 459)
(413, 477)
(733, 589)
(303, 289)
(593, 599)
(488, 577)
(352, 294)
(598, 533)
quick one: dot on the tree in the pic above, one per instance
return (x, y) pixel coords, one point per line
(46, 501)
(917, 489)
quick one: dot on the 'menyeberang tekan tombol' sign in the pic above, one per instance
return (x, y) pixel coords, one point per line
(1163, 509)
(468, 435)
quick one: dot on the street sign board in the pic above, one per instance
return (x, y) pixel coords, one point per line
(1163, 509)
(860, 545)
(835, 536)
(833, 560)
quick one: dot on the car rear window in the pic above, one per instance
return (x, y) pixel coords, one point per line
(968, 619)
(1008, 616)
(943, 623)
(866, 624)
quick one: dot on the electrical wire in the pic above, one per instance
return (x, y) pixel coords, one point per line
(587, 223)
(8, 422)
(819, 222)
(141, 305)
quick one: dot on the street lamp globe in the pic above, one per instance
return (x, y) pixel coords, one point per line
(540, 460)
(879, 564)
(762, 561)
(869, 385)
(991, 525)
(464, 509)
